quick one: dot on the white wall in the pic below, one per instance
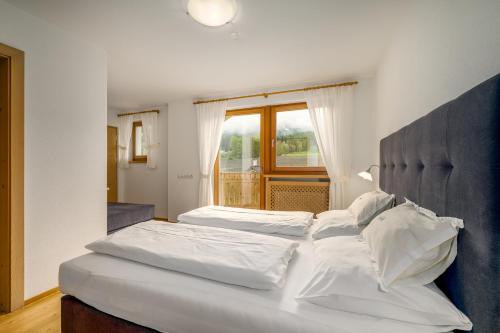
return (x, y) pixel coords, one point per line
(65, 150)
(182, 158)
(442, 49)
(183, 145)
(363, 136)
(139, 184)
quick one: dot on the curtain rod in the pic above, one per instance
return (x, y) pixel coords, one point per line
(265, 95)
(132, 113)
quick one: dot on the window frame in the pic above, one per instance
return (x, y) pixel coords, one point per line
(137, 158)
(274, 109)
(267, 148)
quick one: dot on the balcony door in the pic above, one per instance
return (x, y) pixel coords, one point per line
(238, 169)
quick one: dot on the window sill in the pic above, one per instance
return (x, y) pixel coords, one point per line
(298, 171)
(295, 175)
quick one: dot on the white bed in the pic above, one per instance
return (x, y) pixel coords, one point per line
(174, 302)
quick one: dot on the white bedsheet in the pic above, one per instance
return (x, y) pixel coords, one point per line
(261, 221)
(230, 256)
(179, 303)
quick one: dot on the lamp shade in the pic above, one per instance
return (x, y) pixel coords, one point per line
(212, 13)
(366, 175)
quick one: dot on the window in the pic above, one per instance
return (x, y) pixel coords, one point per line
(294, 146)
(271, 140)
(240, 143)
(139, 149)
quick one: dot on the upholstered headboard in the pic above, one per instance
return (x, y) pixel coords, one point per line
(449, 161)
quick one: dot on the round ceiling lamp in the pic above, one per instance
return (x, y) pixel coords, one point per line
(212, 13)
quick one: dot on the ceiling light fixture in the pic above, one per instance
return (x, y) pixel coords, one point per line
(212, 13)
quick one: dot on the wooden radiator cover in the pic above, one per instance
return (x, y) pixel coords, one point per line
(297, 195)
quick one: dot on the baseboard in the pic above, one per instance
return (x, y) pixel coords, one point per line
(42, 295)
(164, 219)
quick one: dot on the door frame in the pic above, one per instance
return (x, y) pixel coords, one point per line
(13, 232)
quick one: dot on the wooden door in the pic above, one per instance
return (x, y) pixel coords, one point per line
(112, 164)
(4, 194)
(11, 178)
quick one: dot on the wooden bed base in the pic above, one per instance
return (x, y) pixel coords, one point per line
(78, 317)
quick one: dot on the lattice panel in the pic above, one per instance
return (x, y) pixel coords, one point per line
(296, 195)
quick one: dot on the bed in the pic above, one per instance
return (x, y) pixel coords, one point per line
(121, 215)
(447, 161)
(169, 301)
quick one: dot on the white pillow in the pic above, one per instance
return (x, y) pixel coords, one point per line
(335, 223)
(411, 245)
(344, 279)
(370, 204)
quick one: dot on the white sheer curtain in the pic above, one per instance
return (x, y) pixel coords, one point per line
(150, 131)
(210, 124)
(331, 116)
(124, 135)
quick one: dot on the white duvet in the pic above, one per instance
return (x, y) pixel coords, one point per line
(230, 256)
(262, 221)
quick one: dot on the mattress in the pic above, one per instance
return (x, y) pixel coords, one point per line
(173, 302)
(121, 215)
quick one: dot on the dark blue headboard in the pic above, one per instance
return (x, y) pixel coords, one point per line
(449, 161)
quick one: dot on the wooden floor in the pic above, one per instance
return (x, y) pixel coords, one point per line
(43, 315)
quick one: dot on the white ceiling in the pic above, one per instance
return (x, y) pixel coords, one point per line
(156, 53)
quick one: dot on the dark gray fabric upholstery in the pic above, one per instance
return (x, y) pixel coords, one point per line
(449, 161)
(121, 215)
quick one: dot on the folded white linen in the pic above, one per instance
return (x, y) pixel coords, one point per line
(262, 221)
(230, 256)
(345, 279)
(335, 223)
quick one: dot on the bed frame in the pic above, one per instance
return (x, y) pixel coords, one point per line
(78, 317)
(122, 215)
(447, 161)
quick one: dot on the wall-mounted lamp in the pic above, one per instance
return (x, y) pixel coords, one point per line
(367, 174)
